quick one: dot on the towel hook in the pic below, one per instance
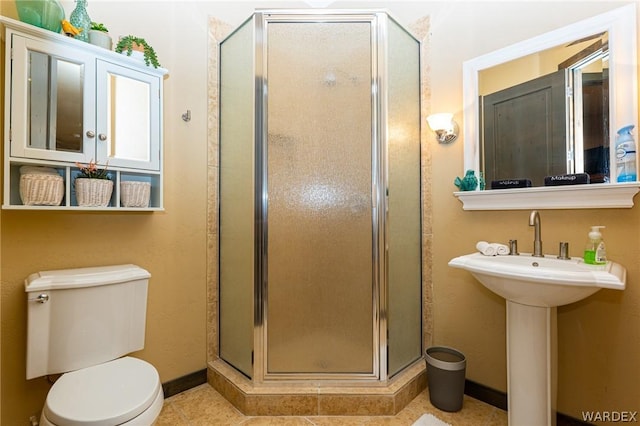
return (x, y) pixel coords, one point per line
(187, 115)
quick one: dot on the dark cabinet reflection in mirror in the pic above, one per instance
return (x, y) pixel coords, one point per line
(552, 124)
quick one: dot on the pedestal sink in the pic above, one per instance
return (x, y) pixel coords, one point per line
(534, 287)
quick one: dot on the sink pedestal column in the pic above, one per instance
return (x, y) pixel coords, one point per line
(531, 364)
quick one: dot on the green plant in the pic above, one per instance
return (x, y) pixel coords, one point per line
(92, 171)
(126, 44)
(99, 27)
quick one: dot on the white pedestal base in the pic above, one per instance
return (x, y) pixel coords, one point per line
(531, 364)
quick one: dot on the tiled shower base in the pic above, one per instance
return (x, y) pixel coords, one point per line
(203, 406)
(317, 400)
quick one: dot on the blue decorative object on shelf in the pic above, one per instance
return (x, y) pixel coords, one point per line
(80, 19)
(46, 14)
(468, 183)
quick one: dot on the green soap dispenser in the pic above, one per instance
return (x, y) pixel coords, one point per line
(595, 252)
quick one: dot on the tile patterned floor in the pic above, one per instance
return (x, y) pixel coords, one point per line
(203, 406)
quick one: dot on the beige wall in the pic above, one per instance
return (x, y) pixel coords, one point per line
(170, 244)
(599, 337)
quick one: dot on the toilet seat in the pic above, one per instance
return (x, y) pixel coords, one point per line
(108, 394)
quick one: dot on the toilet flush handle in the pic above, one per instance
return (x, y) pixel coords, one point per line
(41, 298)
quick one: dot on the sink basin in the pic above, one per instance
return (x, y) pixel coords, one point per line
(533, 288)
(541, 281)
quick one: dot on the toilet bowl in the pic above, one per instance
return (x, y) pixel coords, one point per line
(126, 391)
(83, 323)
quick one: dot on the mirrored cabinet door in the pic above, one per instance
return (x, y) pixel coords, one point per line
(52, 90)
(128, 111)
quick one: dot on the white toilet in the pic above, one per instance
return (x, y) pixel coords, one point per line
(80, 323)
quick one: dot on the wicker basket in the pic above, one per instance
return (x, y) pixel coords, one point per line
(93, 192)
(41, 189)
(135, 194)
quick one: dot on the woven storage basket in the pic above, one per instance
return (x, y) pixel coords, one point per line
(40, 189)
(93, 192)
(135, 194)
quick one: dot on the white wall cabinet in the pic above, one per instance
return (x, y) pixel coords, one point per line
(68, 102)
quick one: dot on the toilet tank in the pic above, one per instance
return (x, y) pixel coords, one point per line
(78, 318)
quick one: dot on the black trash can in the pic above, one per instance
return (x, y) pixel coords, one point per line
(445, 377)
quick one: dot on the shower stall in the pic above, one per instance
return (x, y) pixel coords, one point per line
(320, 243)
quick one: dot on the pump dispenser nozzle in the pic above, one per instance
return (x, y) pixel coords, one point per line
(595, 233)
(595, 252)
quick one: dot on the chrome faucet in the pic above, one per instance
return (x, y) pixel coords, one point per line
(534, 220)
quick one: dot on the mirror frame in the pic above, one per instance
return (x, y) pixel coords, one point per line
(620, 23)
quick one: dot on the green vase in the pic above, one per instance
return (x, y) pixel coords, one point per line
(80, 19)
(46, 14)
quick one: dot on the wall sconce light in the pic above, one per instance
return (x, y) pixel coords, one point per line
(444, 126)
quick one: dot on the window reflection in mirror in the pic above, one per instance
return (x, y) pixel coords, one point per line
(55, 103)
(547, 113)
(129, 122)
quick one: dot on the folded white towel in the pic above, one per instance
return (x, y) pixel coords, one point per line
(486, 248)
(492, 249)
(501, 249)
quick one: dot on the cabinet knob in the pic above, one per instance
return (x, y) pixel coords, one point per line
(102, 137)
(90, 134)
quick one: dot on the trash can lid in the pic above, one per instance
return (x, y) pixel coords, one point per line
(445, 358)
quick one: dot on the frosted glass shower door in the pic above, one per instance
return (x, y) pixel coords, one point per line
(319, 269)
(403, 224)
(237, 194)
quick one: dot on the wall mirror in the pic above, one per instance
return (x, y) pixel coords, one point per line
(547, 114)
(612, 38)
(56, 124)
(129, 118)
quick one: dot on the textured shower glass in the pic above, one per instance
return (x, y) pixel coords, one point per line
(237, 191)
(403, 222)
(319, 177)
(320, 207)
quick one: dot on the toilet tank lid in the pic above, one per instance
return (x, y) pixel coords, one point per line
(83, 277)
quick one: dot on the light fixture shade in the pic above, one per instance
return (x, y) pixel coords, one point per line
(444, 126)
(440, 121)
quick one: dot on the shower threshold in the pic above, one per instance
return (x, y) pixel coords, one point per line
(315, 398)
